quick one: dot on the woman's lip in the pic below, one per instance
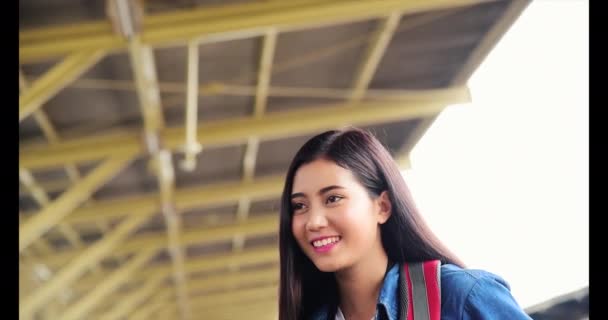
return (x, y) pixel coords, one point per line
(326, 248)
(327, 237)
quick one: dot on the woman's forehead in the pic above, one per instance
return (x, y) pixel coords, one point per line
(319, 174)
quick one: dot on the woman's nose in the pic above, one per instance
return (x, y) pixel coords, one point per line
(316, 221)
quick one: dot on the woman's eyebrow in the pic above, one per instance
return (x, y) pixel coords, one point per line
(329, 188)
(298, 194)
(322, 191)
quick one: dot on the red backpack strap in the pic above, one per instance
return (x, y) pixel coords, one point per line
(421, 290)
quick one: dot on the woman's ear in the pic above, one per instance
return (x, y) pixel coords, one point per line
(384, 204)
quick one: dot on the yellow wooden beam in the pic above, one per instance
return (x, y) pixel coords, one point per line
(37, 192)
(166, 180)
(45, 125)
(159, 20)
(228, 89)
(200, 264)
(396, 95)
(252, 227)
(176, 16)
(144, 73)
(41, 197)
(229, 297)
(373, 55)
(234, 131)
(251, 150)
(484, 47)
(221, 281)
(263, 302)
(49, 186)
(27, 256)
(265, 70)
(52, 214)
(22, 81)
(55, 79)
(27, 278)
(257, 309)
(130, 302)
(174, 29)
(287, 123)
(144, 70)
(261, 98)
(27, 179)
(311, 56)
(51, 311)
(79, 265)
(308, 57)
(43, 246)
(111, 283)
(260, 309)
(104, 27)
(168, 312)
(147, 310)
(232, 280)
(186, 198)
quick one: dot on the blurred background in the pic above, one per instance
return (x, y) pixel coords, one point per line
(154, 137)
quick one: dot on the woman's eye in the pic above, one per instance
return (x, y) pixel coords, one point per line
(333, 199)
(297, 206)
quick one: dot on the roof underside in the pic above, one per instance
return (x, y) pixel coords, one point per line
(314, 67)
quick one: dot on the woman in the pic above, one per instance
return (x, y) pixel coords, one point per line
(348, 223)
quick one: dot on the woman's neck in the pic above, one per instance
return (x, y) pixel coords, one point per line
(360, 285)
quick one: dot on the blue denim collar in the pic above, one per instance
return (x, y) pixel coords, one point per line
(388, 293)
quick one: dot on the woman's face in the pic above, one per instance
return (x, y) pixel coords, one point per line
(335, 221)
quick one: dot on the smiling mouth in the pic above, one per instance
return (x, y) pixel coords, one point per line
(325, 243)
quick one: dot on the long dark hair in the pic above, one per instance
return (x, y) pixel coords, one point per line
(405, 236)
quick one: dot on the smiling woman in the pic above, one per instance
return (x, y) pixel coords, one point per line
(349, 232)
(326, 194)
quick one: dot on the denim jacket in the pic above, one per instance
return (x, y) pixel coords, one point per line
(465, 295)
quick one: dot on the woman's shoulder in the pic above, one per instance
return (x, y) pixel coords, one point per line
(455, 277)
(473, 293)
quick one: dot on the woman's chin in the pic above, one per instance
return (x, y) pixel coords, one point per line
(327, 266)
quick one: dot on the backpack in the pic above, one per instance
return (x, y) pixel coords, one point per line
(420, 290)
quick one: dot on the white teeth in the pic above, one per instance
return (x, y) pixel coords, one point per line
(326, 241)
